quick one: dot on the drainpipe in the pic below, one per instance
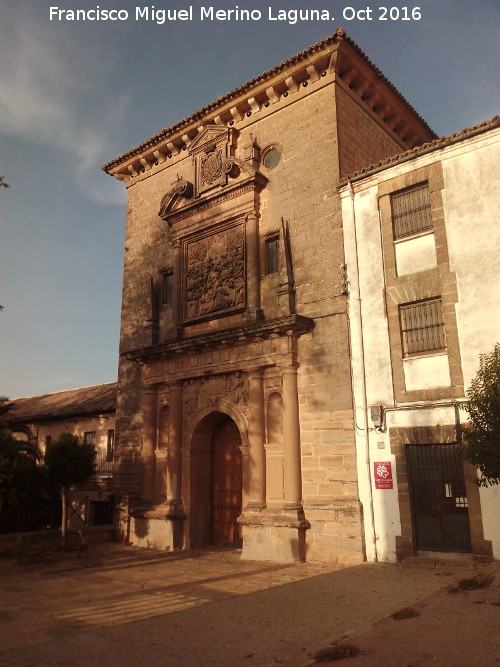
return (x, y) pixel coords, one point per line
(359, 327)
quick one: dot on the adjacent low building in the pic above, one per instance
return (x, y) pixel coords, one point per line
(89, 414)
(421, 239)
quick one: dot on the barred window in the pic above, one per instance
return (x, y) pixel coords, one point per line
(411, 210)
(422, 327)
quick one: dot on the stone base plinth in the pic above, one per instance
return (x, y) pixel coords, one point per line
(273, 537)
(157, 529)
(336, 534)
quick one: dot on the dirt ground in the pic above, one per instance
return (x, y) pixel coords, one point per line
(120, 605)
(454, 627)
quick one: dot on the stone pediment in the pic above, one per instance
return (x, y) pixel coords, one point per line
(210, 151)
(217, 175)
(209, 136)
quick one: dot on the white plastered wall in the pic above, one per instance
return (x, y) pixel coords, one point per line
(79, 426)
(374, 373)
(470, 199)
(471, 204)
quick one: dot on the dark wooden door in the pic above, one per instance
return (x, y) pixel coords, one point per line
(438, 497)
(226, 484)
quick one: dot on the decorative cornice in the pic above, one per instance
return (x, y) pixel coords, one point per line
(283, 326)
(257, 181)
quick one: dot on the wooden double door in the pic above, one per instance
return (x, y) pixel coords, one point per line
(226, 497)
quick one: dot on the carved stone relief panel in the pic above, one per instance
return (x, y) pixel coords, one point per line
(214, 271)
(207, 392)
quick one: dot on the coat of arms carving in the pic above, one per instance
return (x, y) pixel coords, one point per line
(210, 151)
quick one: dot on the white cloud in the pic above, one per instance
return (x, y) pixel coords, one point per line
(50, 93)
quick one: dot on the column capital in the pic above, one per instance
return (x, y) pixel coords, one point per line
(256, 372)
(150, 388)
(289, 367)
(176, 385)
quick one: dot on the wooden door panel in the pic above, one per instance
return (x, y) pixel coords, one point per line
(226, 484)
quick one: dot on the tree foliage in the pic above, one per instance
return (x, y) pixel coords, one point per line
(19, 473)
(68, 463)
(481, 437)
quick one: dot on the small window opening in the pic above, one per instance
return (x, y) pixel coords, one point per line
(110, 445)
(167, 285)
(271, 255)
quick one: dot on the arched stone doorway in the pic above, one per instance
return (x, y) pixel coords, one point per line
(214, 483)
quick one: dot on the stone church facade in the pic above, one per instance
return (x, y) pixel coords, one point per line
(235, 407)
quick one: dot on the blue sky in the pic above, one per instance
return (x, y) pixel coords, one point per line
(74, 95)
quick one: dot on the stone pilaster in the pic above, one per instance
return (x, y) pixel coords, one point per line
(291, 439)
(149, 412)
(256, 437)
(177, 287)
(254, 312)
(174, 474)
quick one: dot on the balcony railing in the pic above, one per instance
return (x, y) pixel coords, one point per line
(104, 468)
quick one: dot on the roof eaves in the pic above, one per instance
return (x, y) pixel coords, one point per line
(52, 417)
(339, 35)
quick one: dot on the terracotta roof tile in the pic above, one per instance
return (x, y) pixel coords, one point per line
(97, 399)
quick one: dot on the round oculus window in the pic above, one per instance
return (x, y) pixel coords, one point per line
(271, 158)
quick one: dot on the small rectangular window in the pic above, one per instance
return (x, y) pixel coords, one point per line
(89, 438)
(110, 445)
(167, 286)
(271, 255)
(422, 327)
(411, 210)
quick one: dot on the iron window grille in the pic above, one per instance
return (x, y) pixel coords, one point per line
(411, 210)
(422, 327)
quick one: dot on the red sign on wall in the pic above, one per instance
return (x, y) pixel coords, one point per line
(383, 474)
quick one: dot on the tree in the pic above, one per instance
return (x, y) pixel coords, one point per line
(481, 437)
(6, 408)
(69, 463)
(19, 473)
